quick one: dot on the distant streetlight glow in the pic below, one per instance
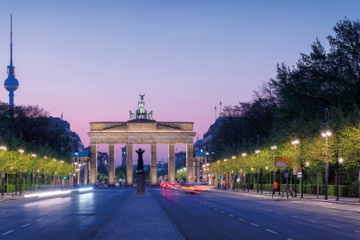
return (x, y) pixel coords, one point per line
(233, 157)
(225, 160)
(273, 147)
(21, 151)
(295, 142)
(243, 154)
(341, 160)
(257, 151)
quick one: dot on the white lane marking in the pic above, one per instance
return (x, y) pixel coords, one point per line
(241, 219)
(254, 224)
(289, 239)
(271, 231)
(310, 220)
(25, 225)
(335, 226)
(356, 231)
(38, 220)
(295, 217)
(230, 215)
(6, 233)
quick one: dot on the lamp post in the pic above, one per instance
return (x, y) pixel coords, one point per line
(339, 161)
(326, 134)
(258, 174)
(295, 143)
(274, 147)
(244, 172)
(33, 155)
(2, 148)
(21, 151)
(45, 157)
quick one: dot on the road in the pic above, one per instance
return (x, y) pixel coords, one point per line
(225, 216)
(201, 216)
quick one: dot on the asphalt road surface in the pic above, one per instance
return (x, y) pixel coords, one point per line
(201, 216)
(223, 216)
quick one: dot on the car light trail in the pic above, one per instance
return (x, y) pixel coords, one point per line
(48, 194)
(84, 189)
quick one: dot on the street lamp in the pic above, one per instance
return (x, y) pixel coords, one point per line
(274, 147)
(339, 161)
(21, 151)
(233, 157)
(258, 174)
(295, 142)
(326, 134)
(2, 148)
(244, 174)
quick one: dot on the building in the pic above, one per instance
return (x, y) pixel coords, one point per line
(180, 160)
(123, 157)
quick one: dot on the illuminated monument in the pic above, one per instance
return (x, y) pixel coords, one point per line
(141, 128)
(11, 83)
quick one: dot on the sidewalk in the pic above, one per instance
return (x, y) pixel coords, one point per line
(345, 203)
(139, 217)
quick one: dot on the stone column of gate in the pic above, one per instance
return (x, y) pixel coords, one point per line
(111, 168)
(190, 163)
(93, 163)
(171, 163)
(197, 169)
(153, 164)
(86, 172)
(129, 164)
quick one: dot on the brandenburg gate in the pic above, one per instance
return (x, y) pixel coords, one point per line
(142, 129)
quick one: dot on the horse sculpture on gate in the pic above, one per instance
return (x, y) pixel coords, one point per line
(141, 112)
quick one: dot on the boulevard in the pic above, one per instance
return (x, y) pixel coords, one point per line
(118, 213)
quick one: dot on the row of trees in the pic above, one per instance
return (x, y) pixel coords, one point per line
(321, 91)
(19, 163)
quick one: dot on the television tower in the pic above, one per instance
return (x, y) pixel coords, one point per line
(11, 83)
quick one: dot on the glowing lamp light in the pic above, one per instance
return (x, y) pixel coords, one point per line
(3, 148)
(273, 147)
(45, 157)
(252, 169)
(267, 168)
(33, 155)
(341, 160)
(295, 142)
(218, 161)
(21, 151)
(243, 154)
(326, 133)
(233, 157)
(307, 164)
(257, 151)
(225, 160)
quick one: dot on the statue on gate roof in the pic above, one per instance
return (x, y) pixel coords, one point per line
(141, 112)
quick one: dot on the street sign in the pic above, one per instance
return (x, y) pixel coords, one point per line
(299, 175)
(294, 171)
(299, 169)
(281, 162)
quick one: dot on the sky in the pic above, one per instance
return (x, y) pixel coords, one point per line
(90, 60)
